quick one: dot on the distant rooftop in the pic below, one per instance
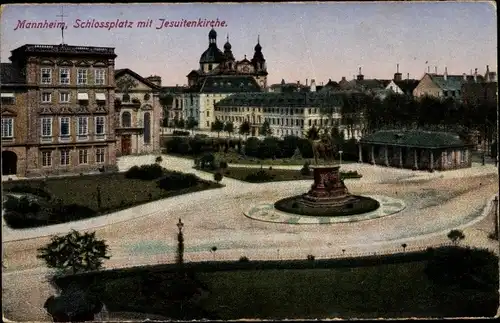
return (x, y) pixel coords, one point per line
(415, 138)
(63, 49)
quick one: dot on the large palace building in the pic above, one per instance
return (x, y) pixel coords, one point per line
(218, 76)
(57, 110)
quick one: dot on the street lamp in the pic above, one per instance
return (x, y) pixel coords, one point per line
(180, 225)
(340, 153)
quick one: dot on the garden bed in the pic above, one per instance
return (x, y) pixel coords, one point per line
(268, 174)
(80, 196)
(368, 287)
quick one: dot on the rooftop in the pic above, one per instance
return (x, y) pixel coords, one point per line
(9, 74)
(284, 99)
(226, 84)
(63, 49)
(453, 82)
(415, 138)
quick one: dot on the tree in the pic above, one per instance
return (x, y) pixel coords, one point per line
(191, 123)
(75, 251)
(456, 236)
(265, 130)
(180, 245)
(229, 128)
(244, 128)
(404, 245)
(218, 177)
(217, 126)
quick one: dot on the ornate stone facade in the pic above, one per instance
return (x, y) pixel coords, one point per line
(59, 116)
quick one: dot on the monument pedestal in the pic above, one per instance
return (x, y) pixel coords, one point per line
(328, 189)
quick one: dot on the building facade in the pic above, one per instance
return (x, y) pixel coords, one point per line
(415, 149)
(57, 110)
(138, 113)
(218, 76)
(444, 86)
(286, 113)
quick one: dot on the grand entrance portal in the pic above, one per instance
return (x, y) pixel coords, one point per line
(9, 163)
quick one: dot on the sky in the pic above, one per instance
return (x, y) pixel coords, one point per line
(299, 41)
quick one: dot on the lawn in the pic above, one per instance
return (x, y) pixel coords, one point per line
(235, 158)
(275, 175)
(116, 191)
(354, 288)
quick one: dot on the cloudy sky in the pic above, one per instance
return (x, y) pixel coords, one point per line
(300, 41)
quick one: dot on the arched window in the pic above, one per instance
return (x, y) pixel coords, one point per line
(126, 119)
(147, 128)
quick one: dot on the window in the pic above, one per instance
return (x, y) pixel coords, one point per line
(83, 126)
(209, 67)
(208, 113)
(46, 158)
(83, 156)
(453, 93)
(65, 153)
(46, 97)
(46, 127)
(7, 127)
(147, 128)
(82, 77)
(126, 119)
(445, 93)
(450, 157)
(99, 125)
(100, 77)
(8, 98)
(99, 155)
(64, 97)
(46, 76)
(64, 75)
(126, 98)
(64, 126)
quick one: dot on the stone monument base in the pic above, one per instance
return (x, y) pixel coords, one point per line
(328, 196)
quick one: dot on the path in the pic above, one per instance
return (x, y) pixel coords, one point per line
(436, 202)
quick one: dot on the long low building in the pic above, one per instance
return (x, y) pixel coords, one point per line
(287, 113)
(415, 149)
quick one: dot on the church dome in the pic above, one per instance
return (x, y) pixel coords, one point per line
(212, 55)
(227, 46)
(258, 48)
(212, 34)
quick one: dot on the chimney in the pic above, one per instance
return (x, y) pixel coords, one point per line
(475, 75)
(313, 85)
(360, 76)
(408, 76)
(343, 78)
(435, 69)
(465, 77)
(307, 82)
(428, 69)
(398, 76)
(445, 75)
(487, 76)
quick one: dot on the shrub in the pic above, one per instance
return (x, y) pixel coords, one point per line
(259, 177)
(75, 251)
(159, 159)
(252, 147)
(180, 133)
(207, 161)
(244, 259)
(177, 181)
(145, 172)
(29, 190)
(223, 164)
(21, 205)
(306, 171)
(218, 177)
(310, 257)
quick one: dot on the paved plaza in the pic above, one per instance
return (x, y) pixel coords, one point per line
(431, 205)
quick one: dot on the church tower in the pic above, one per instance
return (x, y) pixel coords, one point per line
(259, 64)
(229, 64)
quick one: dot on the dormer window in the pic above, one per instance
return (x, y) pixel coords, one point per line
(210, 67)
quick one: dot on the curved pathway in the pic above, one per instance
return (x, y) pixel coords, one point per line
(146, 234)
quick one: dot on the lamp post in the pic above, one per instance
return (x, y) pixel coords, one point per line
(180, 244)
(340, 154)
